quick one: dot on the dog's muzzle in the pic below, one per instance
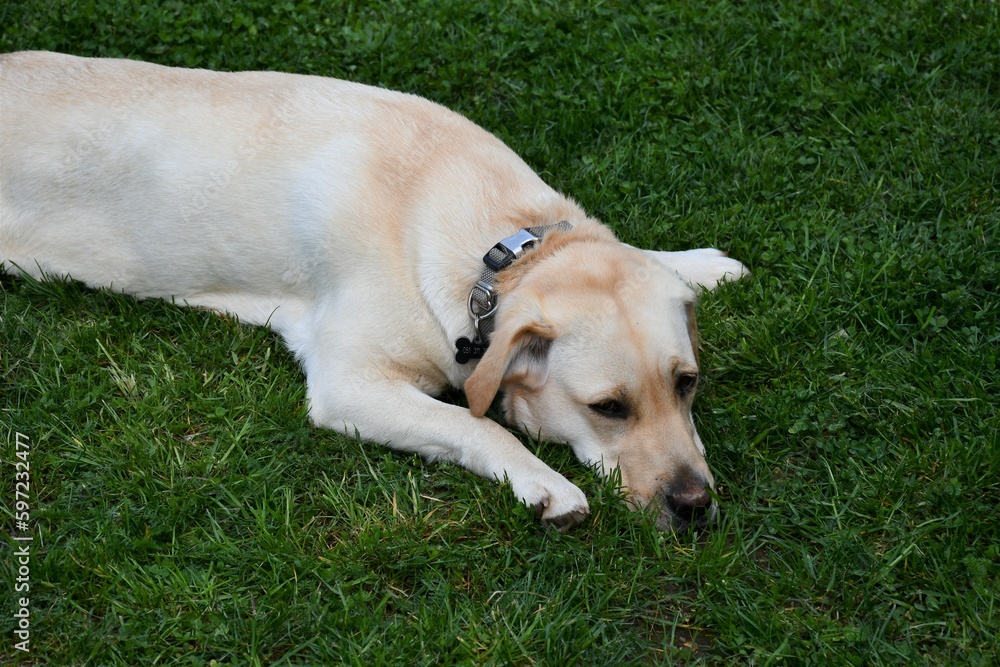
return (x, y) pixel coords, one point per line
(686, 502)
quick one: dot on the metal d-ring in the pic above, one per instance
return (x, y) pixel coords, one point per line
(492, 303)
(491, 300)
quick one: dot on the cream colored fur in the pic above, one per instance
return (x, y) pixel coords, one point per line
(353, 220)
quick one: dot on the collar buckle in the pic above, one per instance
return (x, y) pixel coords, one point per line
(509, 249)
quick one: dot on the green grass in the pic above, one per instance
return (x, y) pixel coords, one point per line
(187, 513)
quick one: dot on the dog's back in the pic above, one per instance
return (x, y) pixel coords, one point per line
(226, 189)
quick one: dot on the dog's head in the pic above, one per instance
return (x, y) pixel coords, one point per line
(596, 345)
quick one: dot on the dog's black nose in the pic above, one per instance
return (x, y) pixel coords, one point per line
(691, 506)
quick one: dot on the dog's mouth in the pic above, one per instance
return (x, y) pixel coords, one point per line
(678, 513)
(688, 506)
(682, 519)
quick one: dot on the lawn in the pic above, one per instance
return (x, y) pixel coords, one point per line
(184, 511)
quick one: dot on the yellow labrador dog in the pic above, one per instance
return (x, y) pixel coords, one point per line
(395, 246)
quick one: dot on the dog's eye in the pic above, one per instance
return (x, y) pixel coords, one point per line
(610, 408)
(686, 384)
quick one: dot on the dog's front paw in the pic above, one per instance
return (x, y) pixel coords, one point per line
(557, 501)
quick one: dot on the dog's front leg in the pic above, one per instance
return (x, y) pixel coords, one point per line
(400, 415)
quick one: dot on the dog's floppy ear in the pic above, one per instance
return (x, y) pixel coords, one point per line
(518, 354)
(703, 268)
